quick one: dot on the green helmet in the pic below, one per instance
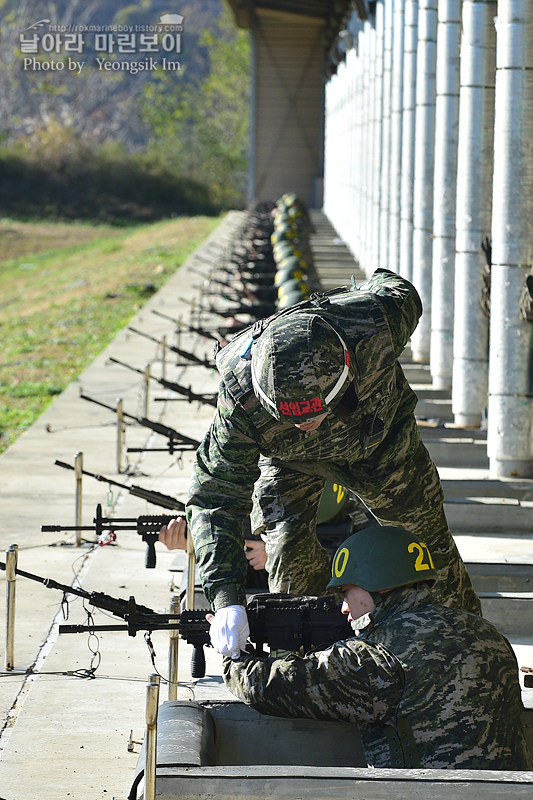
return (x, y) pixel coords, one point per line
(289, 215)
(290, 199)
(292, 267)
(281, 276)
(300, 366)
(288, 249)
(291, 299)
(294, 284)
(381, 557)
(286, 234)
(334, 498)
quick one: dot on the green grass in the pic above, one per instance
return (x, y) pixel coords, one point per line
(65, 291)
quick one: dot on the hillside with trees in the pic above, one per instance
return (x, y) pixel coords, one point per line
(121, 136)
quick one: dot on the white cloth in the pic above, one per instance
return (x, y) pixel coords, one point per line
(230, 630)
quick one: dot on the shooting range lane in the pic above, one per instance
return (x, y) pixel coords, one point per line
(67, 736)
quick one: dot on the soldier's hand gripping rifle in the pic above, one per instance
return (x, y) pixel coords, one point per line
(151, 496)
(147, 526)
(177, 442)
(185, 391)
(191, 358)
(283, 622)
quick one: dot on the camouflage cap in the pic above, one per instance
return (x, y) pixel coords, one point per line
(381, 557)
(300, 366)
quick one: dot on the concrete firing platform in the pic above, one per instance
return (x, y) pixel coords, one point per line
(66, 736)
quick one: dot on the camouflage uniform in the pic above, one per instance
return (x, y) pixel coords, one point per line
(247, 451)
(427, 685)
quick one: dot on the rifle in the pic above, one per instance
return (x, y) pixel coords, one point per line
(186, 327)
(151, 496)
(207, 399)
(202, 362)
(208, 277)
(231, 298)
(193, 625)
(254, 294)
(283, 622)
(221, 332)
(177, 442)
(147, 526)
(249, 288)
(255, 310)
(286, 622)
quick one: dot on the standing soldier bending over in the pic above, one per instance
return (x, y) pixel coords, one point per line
(312, 394)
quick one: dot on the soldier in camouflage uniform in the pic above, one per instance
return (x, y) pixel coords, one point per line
(314, 394)
(428, 686)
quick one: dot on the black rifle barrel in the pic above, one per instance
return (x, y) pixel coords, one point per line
(151, 496)
(186, 327)
(202, 362)
(185, 391)
(177, 441)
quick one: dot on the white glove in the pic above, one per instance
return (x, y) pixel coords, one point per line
(230, 630)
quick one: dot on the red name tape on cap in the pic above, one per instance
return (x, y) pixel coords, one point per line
(299, 407)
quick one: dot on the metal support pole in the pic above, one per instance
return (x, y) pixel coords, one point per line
(11, 583)
(423, 176)
(120, 434)
(146, 389)
(164, 356)
(78, 472)
(173, 653)
(152, 703)
(444, 192)
(191, 572)
(475, 158)
(510, 429)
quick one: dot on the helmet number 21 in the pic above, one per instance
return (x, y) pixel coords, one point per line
(423, 558)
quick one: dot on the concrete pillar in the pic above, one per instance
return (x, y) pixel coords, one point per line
(385, 178)
(510, 430)
(423, 179)
(444, 192)
(475, 160)
(408, 137)
(376, 127)
(396, 135)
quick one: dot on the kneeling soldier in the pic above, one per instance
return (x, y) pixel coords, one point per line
(427, 685)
